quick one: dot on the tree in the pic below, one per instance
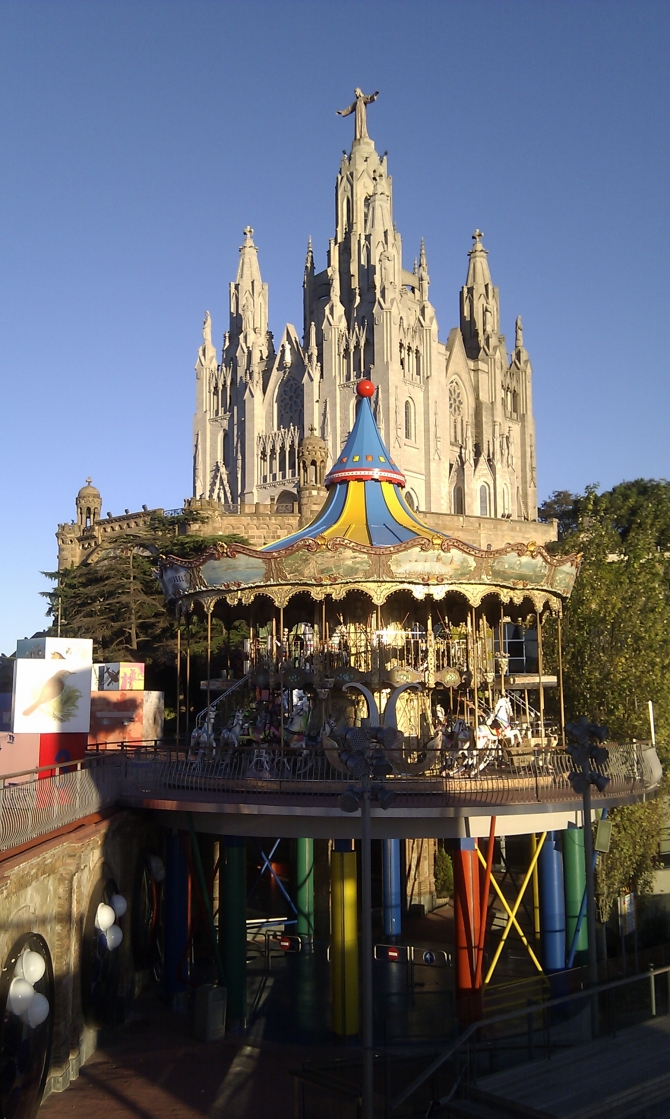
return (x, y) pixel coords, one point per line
(115, 599)
(616, 649)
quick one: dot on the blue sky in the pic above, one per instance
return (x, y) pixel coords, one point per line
(138, 139)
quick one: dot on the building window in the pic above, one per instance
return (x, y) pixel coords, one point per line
(484, 500)
(410, 433)
(505, 500)
(412, 500)
(458, 500)
(456, 412)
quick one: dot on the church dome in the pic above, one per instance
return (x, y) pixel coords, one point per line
(88, 492)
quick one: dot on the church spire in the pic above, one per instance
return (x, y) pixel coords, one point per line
(480, 315)
(249, 305)
(424, 278)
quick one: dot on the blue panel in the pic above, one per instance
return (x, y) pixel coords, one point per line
(552, 904)
(392, 887)
(382, 526)
(330, 513)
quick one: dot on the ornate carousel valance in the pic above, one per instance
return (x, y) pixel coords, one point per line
(366, 538)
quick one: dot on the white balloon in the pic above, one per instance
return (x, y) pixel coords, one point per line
(118, 904)
(34, 966)
(114, 936)
(37, 1012)
(157, 868)
(104, 917)
(20, 996)
(18, 970)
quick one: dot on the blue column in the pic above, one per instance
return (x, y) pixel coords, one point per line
(392, 887)
(175, 919)
(552, 903)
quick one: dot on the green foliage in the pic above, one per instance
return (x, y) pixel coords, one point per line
(616, 646)
(115, 599)
(632, 855)
(444, 874)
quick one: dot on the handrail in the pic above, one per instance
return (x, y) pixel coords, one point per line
(200, 717)
(510, 1015)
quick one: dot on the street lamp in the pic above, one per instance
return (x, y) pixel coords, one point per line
(370, 763)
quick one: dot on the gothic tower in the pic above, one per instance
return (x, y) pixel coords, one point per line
(457, 415)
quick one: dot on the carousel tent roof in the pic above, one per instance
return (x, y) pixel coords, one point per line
(365, 502)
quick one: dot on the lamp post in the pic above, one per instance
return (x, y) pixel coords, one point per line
(366, 760)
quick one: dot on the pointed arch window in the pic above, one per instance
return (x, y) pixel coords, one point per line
(458, 507)
(410, 421)
(484, 501)
(456, 411)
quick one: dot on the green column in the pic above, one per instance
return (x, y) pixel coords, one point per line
(574, 873)
(304, 894)
(233, 927)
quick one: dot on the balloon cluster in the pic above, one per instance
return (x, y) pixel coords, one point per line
(23, 999)
(105, 920)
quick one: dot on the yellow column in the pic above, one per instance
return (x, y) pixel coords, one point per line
(344, 942)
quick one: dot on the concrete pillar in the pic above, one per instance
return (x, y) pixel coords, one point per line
(305, 887)
(574, 868)
(233, 927)
(392, 887)
(175, 916)
(552, 903)
(344, 938)
(467, 920)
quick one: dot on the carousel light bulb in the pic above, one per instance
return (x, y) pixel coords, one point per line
(20, 996)
(34, 966)
(37, 1012)
(104, 917)
(118, 904)
(157, 868)
(113, 936)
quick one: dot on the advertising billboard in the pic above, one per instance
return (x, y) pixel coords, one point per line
(118, 676)
(77, 650)
(50, 697)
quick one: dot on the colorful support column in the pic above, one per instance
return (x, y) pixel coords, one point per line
(574, 868)
(176, 915)
(392, 887)
(233, 927)
(344, 938)
(552, 904)
(304, 860)
(467, 918)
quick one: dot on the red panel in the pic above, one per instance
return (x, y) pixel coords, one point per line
(58, 748)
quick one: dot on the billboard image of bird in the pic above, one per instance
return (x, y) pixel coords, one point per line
(48, 697)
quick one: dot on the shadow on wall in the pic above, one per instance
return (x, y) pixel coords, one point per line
(79, 924)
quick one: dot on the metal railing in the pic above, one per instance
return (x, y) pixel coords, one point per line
(39, 801)
(260, 771)
(412, 1080)
(202, 715)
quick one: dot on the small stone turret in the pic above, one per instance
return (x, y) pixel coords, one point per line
(89, 505)
(312, 461)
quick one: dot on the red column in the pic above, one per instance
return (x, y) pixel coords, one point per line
(467, 921)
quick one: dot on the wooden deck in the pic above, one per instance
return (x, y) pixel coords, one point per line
(614, 1077)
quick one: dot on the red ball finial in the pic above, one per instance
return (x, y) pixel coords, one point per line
(365, 388)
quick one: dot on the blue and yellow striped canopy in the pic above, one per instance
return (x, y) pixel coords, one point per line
(365, 502)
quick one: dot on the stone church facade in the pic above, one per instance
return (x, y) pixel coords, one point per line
(270, 419)
(456, 415)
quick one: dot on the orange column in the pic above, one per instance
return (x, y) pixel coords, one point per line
(467, 923)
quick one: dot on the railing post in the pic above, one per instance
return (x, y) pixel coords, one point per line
(652, 990)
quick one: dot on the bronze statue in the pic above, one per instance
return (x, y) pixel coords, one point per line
(358, 106)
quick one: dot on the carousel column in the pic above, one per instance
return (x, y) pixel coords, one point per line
(467, 918)
(176, 915)
(233, 927)
(392, 887)
(305, 888)
(552, 904)
(574, 866)
(344, 938)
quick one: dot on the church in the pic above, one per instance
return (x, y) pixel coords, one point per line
(456, 414)
(271, 420)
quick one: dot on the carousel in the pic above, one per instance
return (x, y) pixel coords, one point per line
(369, 618)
